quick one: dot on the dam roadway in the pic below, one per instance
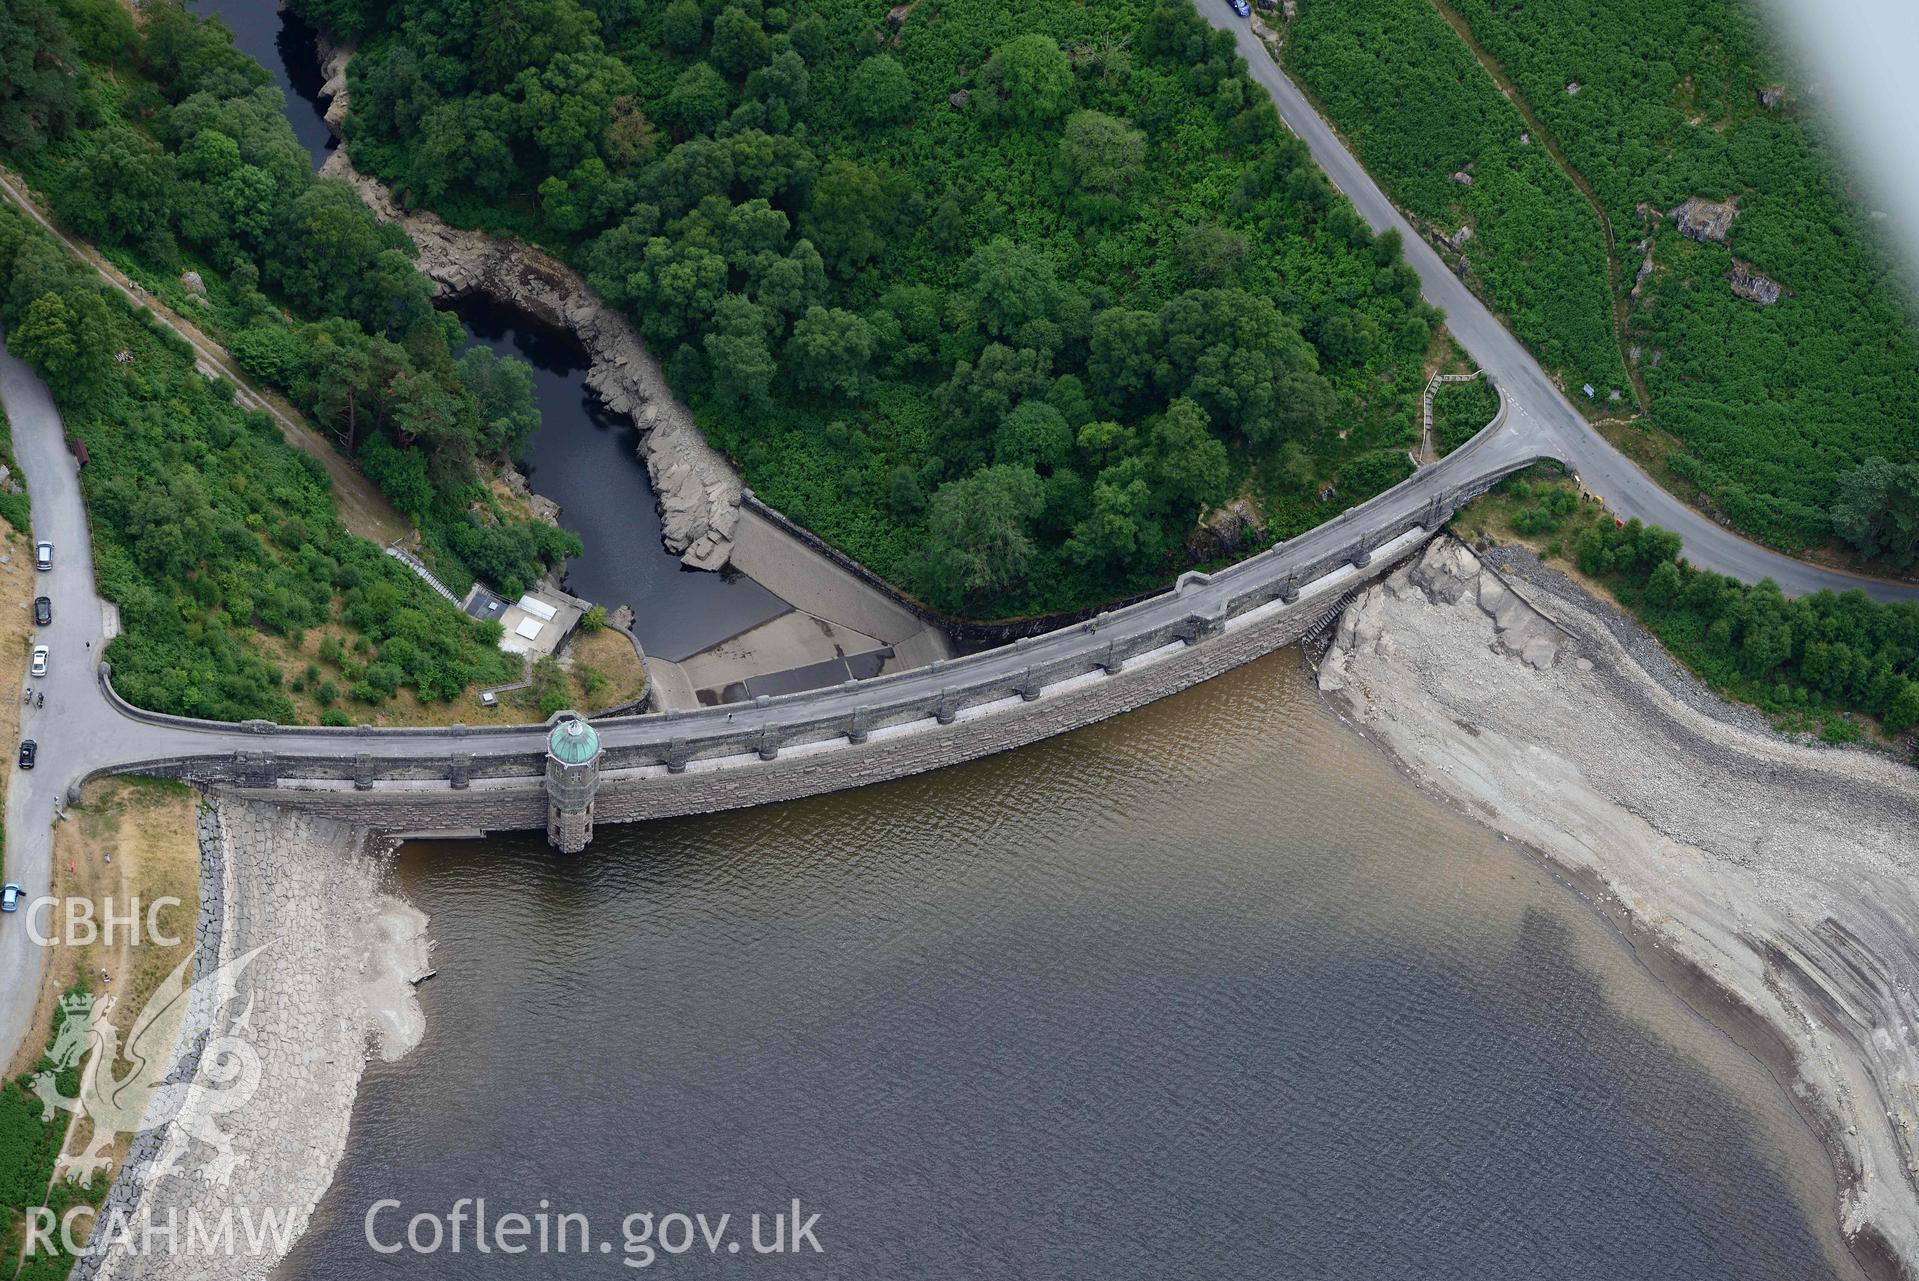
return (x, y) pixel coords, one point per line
(921, 719)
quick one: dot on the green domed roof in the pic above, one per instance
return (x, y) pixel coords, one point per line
(573, 742)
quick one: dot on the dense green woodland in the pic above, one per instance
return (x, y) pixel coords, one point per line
(1780, 411)
(15, 509)
(998, 300)
(170, 149)
(1417, 109)
(208, 528)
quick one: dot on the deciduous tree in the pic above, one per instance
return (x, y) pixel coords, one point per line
(980, 542)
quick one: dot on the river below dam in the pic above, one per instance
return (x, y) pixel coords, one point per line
(587, 460)
(1207, 990)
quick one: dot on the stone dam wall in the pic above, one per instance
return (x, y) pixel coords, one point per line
(405, 781)
(639, 785)
(671, 776)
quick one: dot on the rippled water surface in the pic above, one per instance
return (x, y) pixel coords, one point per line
(1206, 991)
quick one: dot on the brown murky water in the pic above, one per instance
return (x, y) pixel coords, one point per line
(1206, 991)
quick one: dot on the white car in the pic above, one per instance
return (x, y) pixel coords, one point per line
(39, 660)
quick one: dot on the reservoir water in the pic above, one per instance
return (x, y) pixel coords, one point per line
(1205, 991)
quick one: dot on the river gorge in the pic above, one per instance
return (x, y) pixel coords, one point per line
(1210, 989)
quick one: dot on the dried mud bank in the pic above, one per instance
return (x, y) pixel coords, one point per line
(302, 967)
(1774, 880)
(698, 490)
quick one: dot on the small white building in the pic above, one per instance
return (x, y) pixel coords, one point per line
(535, 625)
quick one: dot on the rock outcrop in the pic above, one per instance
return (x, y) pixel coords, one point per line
(1770, 882)
(1227, 530)
(1704, 219)
(333, 60)
(541, 507)
(1752, 286)
(697, 489)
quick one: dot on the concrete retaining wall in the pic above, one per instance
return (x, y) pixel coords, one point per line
(794, 564)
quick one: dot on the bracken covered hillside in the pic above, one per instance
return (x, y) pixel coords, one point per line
(1775, 339)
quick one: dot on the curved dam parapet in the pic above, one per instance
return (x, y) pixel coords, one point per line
(815, 741)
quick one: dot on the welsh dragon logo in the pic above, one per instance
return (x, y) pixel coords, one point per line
(140, 1097)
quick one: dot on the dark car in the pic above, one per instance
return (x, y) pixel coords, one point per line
(42, 611)
(28, 750)
(1241, 8)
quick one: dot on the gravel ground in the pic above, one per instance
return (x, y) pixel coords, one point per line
(1780, 873)
(275, 1045)
(1673, 677)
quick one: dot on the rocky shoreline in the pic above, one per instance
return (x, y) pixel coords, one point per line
(306, 964)
(697, 488)
(1769, 882)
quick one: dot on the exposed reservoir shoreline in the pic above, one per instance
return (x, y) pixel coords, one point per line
(302, 966)
(1766, 881)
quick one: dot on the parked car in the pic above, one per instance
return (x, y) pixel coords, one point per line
(43, 556)
(28, 750)
(10, 896)
(42, 611)
(39, 667)
(1241, 8)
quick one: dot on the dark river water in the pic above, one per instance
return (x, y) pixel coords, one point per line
(286, 46)
(585, 460)
(1205, 991)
